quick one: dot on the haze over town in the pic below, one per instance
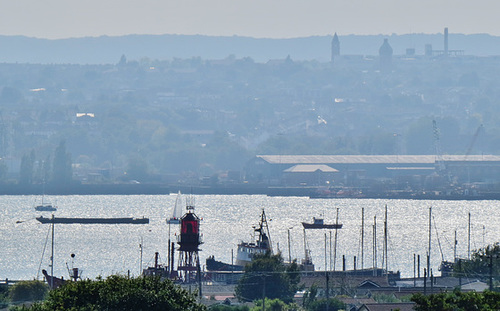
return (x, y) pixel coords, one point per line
(131, 93)
(295, 109)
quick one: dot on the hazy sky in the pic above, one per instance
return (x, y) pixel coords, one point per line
(254, 18)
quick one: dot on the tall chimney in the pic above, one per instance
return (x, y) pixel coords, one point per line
(446, 41)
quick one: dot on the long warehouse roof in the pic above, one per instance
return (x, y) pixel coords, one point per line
(373, 159)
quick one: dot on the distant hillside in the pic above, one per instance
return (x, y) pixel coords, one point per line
(101, 50)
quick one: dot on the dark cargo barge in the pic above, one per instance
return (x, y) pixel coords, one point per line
(66, 220)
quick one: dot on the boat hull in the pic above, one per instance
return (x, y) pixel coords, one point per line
(45, 208)
(123, 220)
(321, 226)
(215, 265)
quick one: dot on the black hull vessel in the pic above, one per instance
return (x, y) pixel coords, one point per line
(65, 220)
(318, 223)
(215, 265)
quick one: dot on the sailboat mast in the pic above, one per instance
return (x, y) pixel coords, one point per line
(141, 253)
(168, 251)
(331, 250)
(52, 257)
(306, 257)
(429, 249)
(455, 247)
(326, 257)
(289, 251)
(468, 241)
(362, 237)
(335, 242)
(264, 230)
(386, 257)
(374, 245)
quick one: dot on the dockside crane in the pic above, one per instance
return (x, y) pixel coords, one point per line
(437, 146)
(473, 141)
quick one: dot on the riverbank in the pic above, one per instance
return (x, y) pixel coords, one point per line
(230, 189)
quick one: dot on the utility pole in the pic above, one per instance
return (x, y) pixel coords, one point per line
(490, 266)
(289, 251)
(335, 242)
(375, 245)
(414, 274)
(385, 257)
(491, 272)
(326, 276)
(264, 293)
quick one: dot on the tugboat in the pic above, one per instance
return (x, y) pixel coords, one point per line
(261, 245)
(246, 250)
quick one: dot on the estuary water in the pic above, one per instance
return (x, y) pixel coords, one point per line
(102, 250)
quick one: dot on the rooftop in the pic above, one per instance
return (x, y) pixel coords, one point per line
(372, 159)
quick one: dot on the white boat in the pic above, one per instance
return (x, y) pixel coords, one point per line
(45, 207)
(262, 243)
(177, 212)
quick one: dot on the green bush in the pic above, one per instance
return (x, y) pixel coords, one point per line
(28, 291)
(320, 304)
(457, 300)
(4, 291)
(119, 293)
(228, 308)
(274, 305)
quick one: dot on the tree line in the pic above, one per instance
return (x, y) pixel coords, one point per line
(56, 170)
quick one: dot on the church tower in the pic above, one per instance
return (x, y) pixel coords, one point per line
(385, 55)
(335, 47)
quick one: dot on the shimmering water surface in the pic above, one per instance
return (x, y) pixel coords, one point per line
(227, 220)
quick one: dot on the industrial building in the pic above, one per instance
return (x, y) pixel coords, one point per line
(400, 171)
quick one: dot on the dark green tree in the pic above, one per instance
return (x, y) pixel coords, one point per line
(457, 301)
(312, 303)
(119, 293)
(268, 276)
(223, 307)
(479, 264)
(137, 169)
(26, 170)
(62, 171)
(45, 169)
(4, 291)
(321, 304)
(3, 169)
(28, 291)
(310, 296)
(123, 60)
(274, 305)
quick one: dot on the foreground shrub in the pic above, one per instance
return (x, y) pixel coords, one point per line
(28, 291)
(119, 293)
